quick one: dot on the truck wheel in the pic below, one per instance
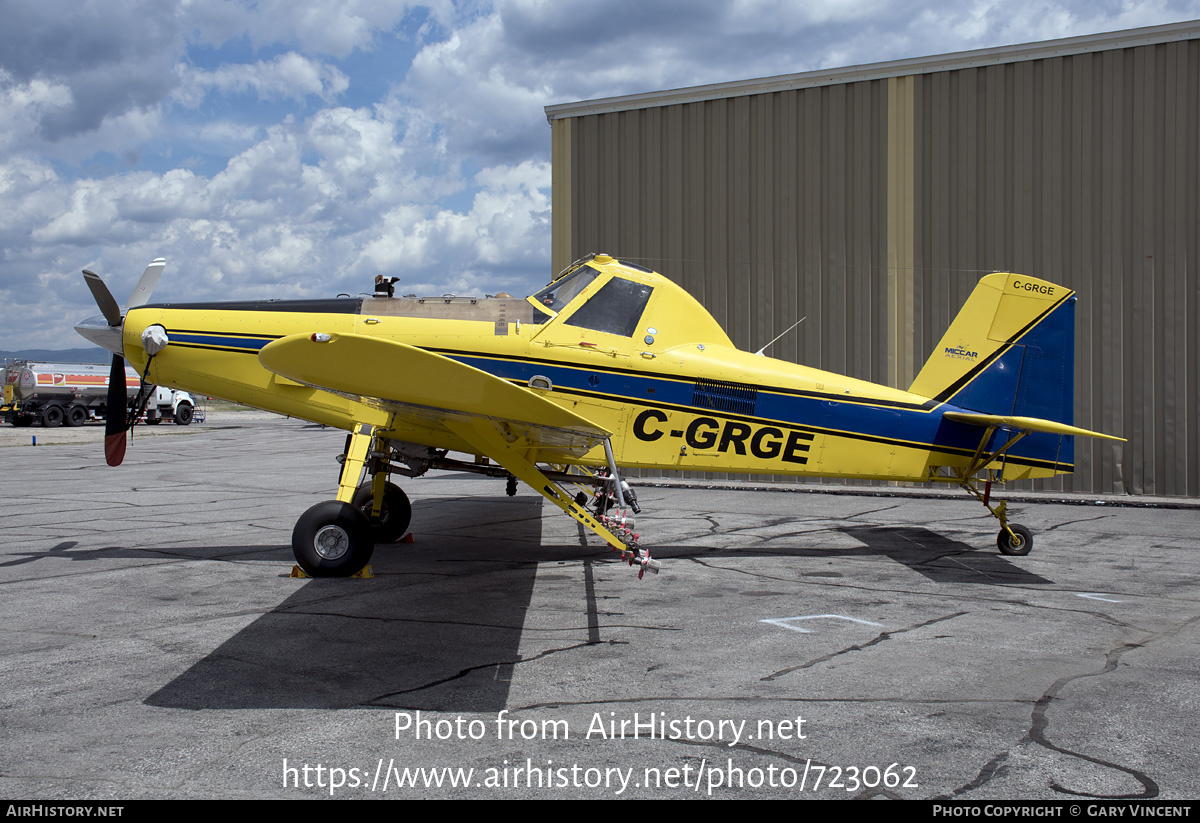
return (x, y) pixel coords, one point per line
(52, 417)
(21, 420)
(77, 415)
(183, 414)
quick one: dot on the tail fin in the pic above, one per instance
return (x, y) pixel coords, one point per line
(1010, 351)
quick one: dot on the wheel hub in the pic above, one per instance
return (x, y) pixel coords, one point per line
(331, 542)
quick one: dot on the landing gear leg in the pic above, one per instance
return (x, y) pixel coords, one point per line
(355, 459)
(1014, 540)
(516, 461)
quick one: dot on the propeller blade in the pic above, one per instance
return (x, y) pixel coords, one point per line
(145, 287)
(103, 297)
(115, 425)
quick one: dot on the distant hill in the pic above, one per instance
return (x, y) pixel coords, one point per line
(91, 354)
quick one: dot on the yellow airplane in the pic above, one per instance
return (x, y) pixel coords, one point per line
(610, 367)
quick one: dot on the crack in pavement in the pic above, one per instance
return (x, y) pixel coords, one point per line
(378, 701)
(806, 762)
(1049, 529)
(993, 768)
(859, 646)
(871, 511)
(1037, 731)
(299, 612)
(1040, 723)
(758, 700)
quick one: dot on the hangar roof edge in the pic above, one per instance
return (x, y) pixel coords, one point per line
(1105, 41)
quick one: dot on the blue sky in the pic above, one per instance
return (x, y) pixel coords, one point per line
(294, 148)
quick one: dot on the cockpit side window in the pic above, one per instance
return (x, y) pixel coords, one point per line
(561, 292)
(615, 309)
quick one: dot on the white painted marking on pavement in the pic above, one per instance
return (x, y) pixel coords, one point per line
(785, 622)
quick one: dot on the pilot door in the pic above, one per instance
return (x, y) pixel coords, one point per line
(594, 334)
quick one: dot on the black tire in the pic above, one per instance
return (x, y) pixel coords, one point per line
(52, 417)
(394, 517)
(153, 421)
(1015, 548)
(77, 415)
(22, 420)
(183, 414)
(332, 539)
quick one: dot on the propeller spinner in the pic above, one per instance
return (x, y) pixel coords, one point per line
(105, 330)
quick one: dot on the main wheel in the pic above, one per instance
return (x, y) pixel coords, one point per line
(183, 414)
(332, 539)
(76, 415)
(1018, 547)
(52, 417)
(394, 516)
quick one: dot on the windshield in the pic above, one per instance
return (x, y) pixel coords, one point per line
(561, 292)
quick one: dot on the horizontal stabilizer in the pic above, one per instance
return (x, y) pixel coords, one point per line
(426, 387)
(1030, 424)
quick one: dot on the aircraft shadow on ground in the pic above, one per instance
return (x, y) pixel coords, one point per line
(66, 550)
(941, 558)
(937, 557)
(438, 628)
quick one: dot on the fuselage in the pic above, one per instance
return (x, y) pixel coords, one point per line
(623, 347)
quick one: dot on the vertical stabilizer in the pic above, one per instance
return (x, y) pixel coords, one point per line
(1010, 351)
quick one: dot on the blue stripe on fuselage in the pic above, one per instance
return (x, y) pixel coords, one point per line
(853, 418)
(244, 344)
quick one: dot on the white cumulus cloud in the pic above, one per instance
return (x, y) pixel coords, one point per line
(289, 75)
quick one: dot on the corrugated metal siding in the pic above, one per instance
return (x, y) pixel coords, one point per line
(1082, 170)
(766, 208)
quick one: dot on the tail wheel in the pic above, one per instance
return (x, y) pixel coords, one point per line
(394, 516)
(1018, 544)
(76, 415)
(332, 539)
(183, 414)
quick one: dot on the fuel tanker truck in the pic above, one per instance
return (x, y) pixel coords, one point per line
(71, 394)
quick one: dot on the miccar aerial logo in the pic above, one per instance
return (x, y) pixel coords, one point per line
(961, 352)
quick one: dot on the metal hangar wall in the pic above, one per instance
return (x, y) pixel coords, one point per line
(873, 198)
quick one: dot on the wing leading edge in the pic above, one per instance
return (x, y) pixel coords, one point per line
(430, 390)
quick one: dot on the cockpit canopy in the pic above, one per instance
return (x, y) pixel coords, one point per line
(615, 308)
(614, 297)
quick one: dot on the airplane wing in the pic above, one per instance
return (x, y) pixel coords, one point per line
(430, 390)
(1028, 424)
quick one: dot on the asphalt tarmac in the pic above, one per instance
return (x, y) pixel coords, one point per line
(795, 645)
